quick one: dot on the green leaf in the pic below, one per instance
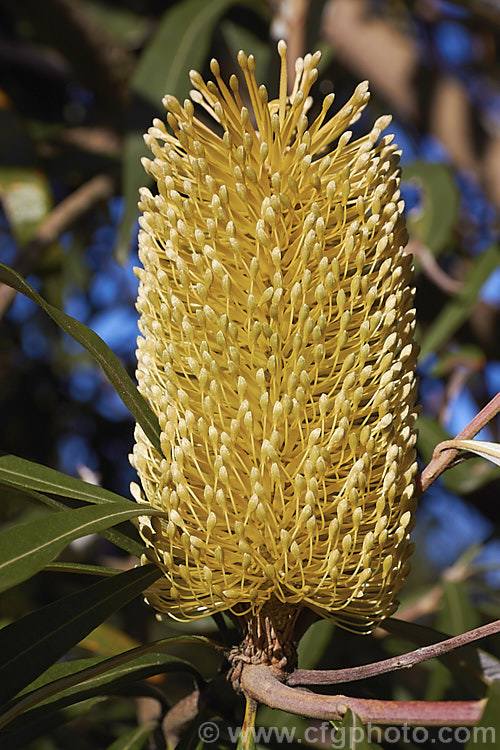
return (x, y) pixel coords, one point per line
(103, 676)
(240, 37)
(30, 645)
(109, 682)
(288, 728)
(108, 640)
(352, 734)
(26, 199)
(190, 735)
(120, 538)
(134, 177)
(436, 220)
(486, 733)
(21, 739)
(102, 354)
(314, 643)
(27, 548)
(246, 738)
(465, 663)
(134, 740)
(57, 672)
(19, 472)
(127, 27)
(246, 741)
(457, 310)
(82, 568)
(457, 613)
(182, 42)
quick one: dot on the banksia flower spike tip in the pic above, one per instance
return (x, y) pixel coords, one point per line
(276, 314)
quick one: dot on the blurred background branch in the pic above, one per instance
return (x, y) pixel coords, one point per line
(59, 220)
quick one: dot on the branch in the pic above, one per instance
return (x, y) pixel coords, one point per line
(425, 605)
(443, 456)
(405, 661)
(93, 139)
(66, 213)
(290, 23)
(432, 269)
(428, 602)
(265, 685)
(179, 716)
(374, 48)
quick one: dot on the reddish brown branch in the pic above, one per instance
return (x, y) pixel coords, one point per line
(405, 661)
(443, 457)
(265, 685)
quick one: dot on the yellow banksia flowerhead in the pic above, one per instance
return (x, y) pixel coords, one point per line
(277, 318)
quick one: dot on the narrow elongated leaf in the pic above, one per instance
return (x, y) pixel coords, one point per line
(456, 312)
(181, 43)
(19, 472)
(57, 672)
(108, 640)
(436, 220)
(314, 643)
(291, 726)
(103, 675)
(246, 739)
(190, 737)
(102, 354)
(465, 663)
(456, 615)
(241, 37)
(126, 27)
(352, 734)
(27, 548)
(121, 539)
(421, 635)
(30, 645)
(82, 568)
(109, 682)
(20, 739)
(134, 740)
(134, 177)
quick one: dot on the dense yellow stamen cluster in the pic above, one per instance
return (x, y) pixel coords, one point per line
(276, 350)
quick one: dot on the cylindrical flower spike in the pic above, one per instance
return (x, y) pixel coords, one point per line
(277, 322)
